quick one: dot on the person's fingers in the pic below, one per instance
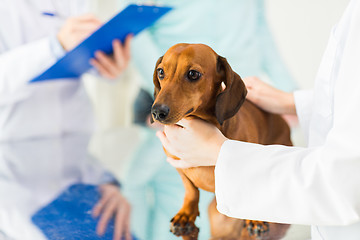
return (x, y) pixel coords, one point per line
(165, 142)
(107, 214)
(121, 219)
(127, 46)
(173, 131)
(185, 123)
(86, 27)
(250, 80)
(119, 54)
(122, 52)
(97, 209)
(108, 63)
(99, 206)
(87, 17)
(252, 86)
(155, 125)
(80, 36)
(119, 225)
(188, 124)
(247, 80)
(127, 230)
(178, 163)
(101, 69)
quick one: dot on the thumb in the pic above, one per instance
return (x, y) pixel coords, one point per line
(178, 163)
(184, 123)
(165, 142)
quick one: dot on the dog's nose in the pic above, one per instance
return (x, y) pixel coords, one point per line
(160, 112)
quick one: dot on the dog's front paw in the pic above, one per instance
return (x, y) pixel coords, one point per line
(256, 228)
(184, 225)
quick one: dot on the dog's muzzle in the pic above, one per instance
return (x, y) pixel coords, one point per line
(160, 112)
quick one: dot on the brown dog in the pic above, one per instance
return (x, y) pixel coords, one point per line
(191, 80)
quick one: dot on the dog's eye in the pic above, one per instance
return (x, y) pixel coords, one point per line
(193, 75)
(160, 73)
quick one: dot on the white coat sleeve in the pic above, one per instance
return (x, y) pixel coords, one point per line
(319, 186)
(20, 64)
(303, 103)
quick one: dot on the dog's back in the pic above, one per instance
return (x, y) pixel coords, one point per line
(251, 124)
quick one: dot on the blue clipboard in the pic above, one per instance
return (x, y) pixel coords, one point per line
(69, 215)
(132, 20)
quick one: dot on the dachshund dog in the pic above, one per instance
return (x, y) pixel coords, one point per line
(192, 81)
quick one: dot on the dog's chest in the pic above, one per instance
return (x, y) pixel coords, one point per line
(201, 177)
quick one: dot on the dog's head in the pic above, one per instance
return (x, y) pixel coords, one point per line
(191, 79)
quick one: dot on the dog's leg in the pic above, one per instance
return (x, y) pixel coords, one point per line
(256, 228)
(183, 224)
(223, 227)
(259, 230)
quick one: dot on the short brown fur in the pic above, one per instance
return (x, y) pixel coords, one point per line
(228, 110)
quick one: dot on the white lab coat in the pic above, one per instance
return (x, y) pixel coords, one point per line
(26, 49)
(318, 185)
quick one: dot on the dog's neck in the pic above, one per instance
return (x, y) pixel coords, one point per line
(207, 115)
(207, 111)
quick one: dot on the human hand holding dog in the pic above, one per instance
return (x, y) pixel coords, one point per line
(113, 204)
(269, 98)
(195, 142)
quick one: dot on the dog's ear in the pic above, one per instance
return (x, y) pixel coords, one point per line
(155, 78)
(156, 83)
(233, 96)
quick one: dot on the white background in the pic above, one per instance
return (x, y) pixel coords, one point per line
(301, 29)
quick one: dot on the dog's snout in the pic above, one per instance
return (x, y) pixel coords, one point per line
(160, 112)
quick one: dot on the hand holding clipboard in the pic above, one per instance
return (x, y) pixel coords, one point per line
(132, 20)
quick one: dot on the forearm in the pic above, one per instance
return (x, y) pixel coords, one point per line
(21, 64)
(287, 104)
(269, 98)
(287, 184)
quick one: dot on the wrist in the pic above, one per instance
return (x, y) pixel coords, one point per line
(56, 47)
(288, 104)
(219, 141)
(60, 40)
